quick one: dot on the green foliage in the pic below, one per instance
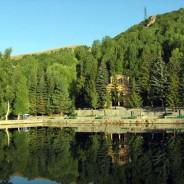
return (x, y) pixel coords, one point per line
(174, 69)
(59, 78)
(86, 79)
(96, 49)
(29, 68)
(41, 96)
(21, 101)
(134, 99)
(159, 81)
(101, 85)
(7, 53)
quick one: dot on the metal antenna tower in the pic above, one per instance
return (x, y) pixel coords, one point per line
(145, 13)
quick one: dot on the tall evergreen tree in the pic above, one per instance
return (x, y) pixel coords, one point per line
(59, 78)
(92, 95)
(41, 95)
(145, 76)
(173, 69)
(101, 85)
(159, 82)
(134, 99)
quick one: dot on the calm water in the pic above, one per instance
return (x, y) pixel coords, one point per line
(19, 180)
(50, 156)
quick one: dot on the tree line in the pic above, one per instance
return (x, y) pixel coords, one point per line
(61, 81)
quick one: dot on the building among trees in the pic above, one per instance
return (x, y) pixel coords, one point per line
(119, 89)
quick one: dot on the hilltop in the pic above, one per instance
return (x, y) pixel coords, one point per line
(44, 52)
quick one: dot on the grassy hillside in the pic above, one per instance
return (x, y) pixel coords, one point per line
(43, 52)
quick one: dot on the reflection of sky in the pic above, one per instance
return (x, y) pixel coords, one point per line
(21, 180)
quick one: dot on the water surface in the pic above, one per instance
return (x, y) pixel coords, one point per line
(47, 155)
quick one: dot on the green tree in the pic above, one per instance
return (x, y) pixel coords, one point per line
(29, 69)
(59, 78)
(41, 95)
(6, 86)
(159, 81)
(109, 53)
(7, 53)
(96, 49)
(92, 95)
(134, 99)
(21, 101)
(101, 85)
(174, 71)
(145, 76)
(86, 95)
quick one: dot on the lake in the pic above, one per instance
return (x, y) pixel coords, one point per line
(51, 156)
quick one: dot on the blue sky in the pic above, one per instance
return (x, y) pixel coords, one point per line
(36, 25)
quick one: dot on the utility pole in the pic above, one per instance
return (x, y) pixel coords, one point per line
(145, 13)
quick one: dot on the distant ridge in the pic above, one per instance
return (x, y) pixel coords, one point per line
(44, 52)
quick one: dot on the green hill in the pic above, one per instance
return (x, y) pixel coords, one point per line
(141, 47)
(164, 35)
(149, 54)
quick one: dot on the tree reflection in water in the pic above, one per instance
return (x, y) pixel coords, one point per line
(66, 157)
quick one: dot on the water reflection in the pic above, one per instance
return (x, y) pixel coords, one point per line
(65, 157)
(19, 180)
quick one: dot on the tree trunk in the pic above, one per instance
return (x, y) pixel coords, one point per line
(18, 117)
(8, 136)
(8, 110)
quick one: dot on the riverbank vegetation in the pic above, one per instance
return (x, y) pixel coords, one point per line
(61, 81)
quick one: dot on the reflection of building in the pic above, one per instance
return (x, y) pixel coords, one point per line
(121, 150)
(121, 84)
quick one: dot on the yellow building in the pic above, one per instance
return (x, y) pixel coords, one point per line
(121, 83)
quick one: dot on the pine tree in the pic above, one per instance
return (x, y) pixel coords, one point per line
(145, 76)
(92, 96)
(60, 98)
(134, 99)
(59, 78)
(41, 96)
(159, 81)
(101, 85)
(174, 68)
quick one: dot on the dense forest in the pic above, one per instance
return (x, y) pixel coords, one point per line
(151, 55)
